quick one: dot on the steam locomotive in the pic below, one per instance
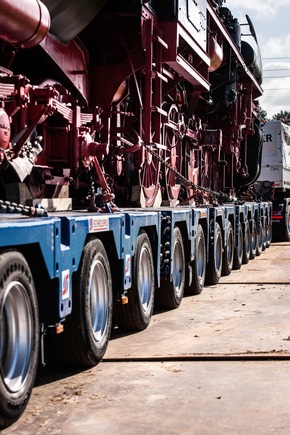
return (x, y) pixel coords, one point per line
(108, 103)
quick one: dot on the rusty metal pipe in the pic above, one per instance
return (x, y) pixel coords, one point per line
(23, 23)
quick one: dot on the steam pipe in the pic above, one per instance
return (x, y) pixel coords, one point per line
(23, 23)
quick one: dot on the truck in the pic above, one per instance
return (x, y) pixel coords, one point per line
(274, 180)
(129, 142)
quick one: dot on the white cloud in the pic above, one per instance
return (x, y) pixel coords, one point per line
(275, 46)
(265, 8)
(276, 85)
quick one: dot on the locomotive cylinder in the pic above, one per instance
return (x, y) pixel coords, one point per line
(23, 24)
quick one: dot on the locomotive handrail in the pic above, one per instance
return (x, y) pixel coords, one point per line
(234, 48)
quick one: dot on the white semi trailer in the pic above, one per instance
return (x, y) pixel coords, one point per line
(275, 168)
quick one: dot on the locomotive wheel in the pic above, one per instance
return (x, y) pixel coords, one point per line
(259, 241)
(137, 313)
(247, 244)
(194, 286)
(171, 292)
(228, 254)
(19, 336)
(239, 250)
(206, 175)
(173, 154)
(253, 241)
(214, 265)
(191, 168)
(87, 330)
(150, 185)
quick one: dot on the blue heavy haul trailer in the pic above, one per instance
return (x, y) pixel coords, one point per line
(72, 276)
(129, 143)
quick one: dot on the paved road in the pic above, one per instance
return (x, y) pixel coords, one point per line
(219, 364)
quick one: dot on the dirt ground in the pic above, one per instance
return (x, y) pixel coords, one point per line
(219, 364)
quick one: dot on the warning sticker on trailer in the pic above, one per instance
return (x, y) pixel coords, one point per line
(127, 265)
(65, 284)
(98, 224)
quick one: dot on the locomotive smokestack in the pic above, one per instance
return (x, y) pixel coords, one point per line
(23, 23)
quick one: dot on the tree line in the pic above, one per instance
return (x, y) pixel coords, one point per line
(283, 114)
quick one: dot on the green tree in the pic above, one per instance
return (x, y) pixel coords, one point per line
(262, 114)
(283, 114)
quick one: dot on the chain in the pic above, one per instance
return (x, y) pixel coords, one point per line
(185, 180)
(12, 207)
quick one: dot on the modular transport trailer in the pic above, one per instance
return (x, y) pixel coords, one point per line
(72, 276)
(129, 141)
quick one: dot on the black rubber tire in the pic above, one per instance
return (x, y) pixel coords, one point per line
(214, 265)
(228, 254)
(286, 235)
(19, 336)
(239, 250)
(253, 241)
(136, 314)
(87, 330)
(195, 284)
(269, 235)
(171, 292)
(264, 236)
(246, 244)
(259, 247)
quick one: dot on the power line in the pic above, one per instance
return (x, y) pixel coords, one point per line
(277, 77)
(270, 58)
(277, 69)
(278, 89)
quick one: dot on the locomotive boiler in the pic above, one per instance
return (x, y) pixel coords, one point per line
(134, 103)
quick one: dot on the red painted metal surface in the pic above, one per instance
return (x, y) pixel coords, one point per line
(24, 24)
(152, 109)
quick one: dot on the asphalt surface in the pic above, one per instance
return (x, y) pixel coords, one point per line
(219, 364)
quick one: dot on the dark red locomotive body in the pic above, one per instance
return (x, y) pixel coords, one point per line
(126, 103)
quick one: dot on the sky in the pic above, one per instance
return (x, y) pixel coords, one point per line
(271, 20)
